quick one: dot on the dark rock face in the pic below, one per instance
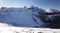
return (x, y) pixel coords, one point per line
(55, 23)
(51, 21)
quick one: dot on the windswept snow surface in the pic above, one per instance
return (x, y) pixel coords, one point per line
(5, 28)
(20, 17)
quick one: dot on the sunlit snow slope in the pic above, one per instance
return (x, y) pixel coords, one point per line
(20, 17)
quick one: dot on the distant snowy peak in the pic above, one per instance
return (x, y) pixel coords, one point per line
(52, 10)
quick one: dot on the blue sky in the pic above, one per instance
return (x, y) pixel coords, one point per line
(45, 4)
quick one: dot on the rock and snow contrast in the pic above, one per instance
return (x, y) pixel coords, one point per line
(28, 20)
(30, 17)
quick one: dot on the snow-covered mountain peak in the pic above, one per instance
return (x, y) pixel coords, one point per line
(20, 17)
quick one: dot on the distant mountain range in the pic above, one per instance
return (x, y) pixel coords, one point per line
(29, 17)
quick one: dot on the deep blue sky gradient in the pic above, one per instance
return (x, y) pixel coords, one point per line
(45, 4)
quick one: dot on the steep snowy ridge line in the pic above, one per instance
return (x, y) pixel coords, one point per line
(38, 21)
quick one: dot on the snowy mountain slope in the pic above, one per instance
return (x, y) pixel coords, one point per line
(20, 17)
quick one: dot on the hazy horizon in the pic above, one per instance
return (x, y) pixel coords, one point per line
(45, 4)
